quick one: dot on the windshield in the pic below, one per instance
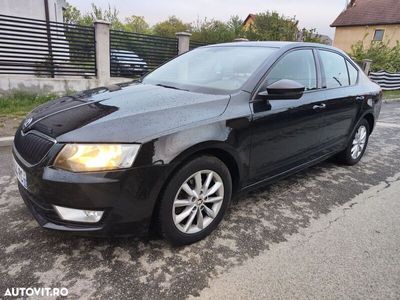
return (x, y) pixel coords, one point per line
(222, 68)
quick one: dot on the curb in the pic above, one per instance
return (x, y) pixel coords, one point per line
(6, 141)
(391, 100)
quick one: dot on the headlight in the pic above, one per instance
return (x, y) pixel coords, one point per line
(96, 157)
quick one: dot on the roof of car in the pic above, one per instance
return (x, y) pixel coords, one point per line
(273, 44)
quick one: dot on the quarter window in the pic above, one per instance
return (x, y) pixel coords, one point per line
(299, 66)
(335, 69)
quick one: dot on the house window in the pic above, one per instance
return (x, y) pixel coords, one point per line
(378, 36)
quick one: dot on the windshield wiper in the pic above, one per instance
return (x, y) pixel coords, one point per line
(171, 87)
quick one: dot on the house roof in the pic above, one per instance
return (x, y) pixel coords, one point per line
(250, 16)
(325, 39)
(369, 12)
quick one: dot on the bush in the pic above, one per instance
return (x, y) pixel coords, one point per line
(213, 31)
(271, 26)
(384, 58)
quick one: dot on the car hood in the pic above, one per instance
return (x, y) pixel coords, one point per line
(123, 113)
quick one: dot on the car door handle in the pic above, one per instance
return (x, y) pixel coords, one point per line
(321, 106)
(359, 98)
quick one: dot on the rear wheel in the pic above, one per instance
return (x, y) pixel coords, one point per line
(195, 200)
(357, 145)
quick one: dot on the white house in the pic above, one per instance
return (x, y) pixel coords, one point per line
(31, 53)
(35, 9)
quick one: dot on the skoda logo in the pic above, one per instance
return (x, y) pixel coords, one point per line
(27, 122)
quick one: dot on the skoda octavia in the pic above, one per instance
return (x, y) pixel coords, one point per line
(167, 152)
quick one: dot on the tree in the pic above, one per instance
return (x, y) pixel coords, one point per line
(136, 24)
(72, 15)
(270, 26)
(169, 27)
(214, 31)
(235, 23)
(310, 35)
(109, 15)
(211, 32)
(384, 58)
(266, 26)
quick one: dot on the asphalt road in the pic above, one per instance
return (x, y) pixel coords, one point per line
(351, 253)
(329, 232)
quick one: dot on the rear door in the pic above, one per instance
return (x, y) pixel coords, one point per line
(286, 133)
(342, 99)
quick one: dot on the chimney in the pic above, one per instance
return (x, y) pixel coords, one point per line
(351, 3)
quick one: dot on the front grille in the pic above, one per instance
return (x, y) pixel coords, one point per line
(31, 146)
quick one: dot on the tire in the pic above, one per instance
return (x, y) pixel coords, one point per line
(174, 214)
(347, 156)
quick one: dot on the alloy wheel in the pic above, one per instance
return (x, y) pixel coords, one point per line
(198, 201)
(359, 141)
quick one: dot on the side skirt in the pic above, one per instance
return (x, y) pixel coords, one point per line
(286, 173)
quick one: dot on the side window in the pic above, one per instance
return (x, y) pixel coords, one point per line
(299, 66)
(335, 69)
(353, 73)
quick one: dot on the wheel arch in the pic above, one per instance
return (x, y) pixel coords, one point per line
(220, 150)
(217, 149)
(371, 121)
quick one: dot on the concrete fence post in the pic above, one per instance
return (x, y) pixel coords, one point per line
(102, 39)
(183, 41)
(240, 40)
(367, 65)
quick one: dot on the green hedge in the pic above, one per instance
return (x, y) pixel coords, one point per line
(384, 58)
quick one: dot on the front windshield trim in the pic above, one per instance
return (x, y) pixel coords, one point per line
(202, 88)
(193, 88)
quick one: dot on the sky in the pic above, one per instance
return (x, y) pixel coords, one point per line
(317, 14)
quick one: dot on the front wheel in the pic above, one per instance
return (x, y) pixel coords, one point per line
(357, 145)
(195, 200)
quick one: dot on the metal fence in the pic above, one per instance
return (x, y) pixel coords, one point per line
(51, 49)
(195, 44)
(134, 54)
(387, 81)
(46, 49)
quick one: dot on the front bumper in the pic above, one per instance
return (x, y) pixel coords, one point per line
(128, 198)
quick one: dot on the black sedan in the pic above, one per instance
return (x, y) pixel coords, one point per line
(167, 153)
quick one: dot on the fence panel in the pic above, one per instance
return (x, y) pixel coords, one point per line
(387, 81)
(134, 54)
(195, 44)
(46, 49)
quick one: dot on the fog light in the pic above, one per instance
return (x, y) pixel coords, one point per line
(79, 215)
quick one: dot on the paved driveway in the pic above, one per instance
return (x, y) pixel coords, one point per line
(143, 268)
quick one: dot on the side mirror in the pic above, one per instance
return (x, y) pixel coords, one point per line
(283, 89)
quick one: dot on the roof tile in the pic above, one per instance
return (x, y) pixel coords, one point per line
(370, 12)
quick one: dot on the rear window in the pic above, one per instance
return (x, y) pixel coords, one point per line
(335, 69)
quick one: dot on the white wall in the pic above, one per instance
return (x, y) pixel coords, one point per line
(33, 9)
(35, 85)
